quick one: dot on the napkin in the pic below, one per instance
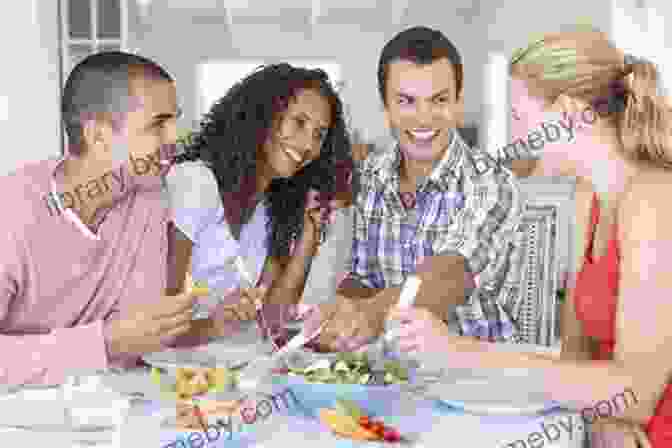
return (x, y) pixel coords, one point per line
(38, 407)
(63, 408)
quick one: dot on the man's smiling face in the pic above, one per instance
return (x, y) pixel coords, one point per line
(422, 106)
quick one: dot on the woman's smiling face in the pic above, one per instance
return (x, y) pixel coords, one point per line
(298, 134)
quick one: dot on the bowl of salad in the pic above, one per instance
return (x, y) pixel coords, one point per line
(318, 380)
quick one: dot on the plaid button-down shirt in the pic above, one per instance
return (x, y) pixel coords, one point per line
(470, 206)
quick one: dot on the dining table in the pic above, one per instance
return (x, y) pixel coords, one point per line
(423, 422)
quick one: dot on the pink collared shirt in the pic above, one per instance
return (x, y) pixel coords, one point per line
(60, 281)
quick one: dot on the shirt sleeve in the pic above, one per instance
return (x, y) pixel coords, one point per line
(491, 244)
(46, 358)
(194, 198)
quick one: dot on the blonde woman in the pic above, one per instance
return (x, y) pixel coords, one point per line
(617, 337)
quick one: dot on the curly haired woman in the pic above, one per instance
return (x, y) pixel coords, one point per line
(259, 181)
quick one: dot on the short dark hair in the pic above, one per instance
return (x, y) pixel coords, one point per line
(101, 84)
(422, 46)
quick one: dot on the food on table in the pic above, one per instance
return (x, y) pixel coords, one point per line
(347, 407)
(191, 382)
(201, 290)
(349, 368)
(187, 416)
(346, 426)
(198, 287)
(349, 420)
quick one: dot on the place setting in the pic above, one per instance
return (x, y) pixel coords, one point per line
(374, 395)
(216, 382)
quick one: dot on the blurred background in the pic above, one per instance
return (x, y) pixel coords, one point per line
(209, 44)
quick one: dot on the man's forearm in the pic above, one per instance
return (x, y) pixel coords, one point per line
(443, 287)
(443, 284)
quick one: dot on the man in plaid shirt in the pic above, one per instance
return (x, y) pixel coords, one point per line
(430, 205)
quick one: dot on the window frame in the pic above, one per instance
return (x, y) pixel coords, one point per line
(67, 42)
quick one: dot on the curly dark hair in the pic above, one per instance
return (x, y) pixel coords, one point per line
(237, 126)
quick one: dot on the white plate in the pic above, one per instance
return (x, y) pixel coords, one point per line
(500, 408)
(514, 391)
(231, 352)
(487, 395)
(495, 408)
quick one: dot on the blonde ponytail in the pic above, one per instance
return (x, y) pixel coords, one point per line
(583, 63)
(645, 124)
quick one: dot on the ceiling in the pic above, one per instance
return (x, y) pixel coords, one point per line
(305, 14)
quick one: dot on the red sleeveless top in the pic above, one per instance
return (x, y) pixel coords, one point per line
(595, 296)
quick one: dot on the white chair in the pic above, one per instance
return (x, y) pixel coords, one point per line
(549, 223)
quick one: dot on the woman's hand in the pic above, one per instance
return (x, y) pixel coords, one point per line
(316, 216)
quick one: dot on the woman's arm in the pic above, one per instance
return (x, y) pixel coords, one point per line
(287, 275)
(641, 365)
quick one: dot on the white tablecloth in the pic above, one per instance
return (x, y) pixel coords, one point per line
(428, 424)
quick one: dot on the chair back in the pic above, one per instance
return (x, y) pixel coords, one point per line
(549, 223)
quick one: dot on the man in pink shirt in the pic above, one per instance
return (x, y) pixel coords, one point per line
(84, 240)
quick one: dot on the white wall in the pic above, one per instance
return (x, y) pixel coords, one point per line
(639, 29)
(181, 45)
(29, 83)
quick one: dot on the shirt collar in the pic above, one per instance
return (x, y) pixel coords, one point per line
(55, 171)
(55, 168)
(387, 167)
